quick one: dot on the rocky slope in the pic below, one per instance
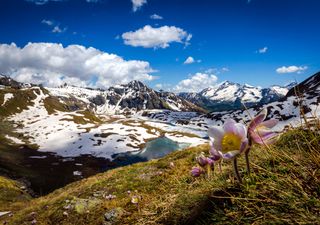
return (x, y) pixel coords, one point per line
(130, 98)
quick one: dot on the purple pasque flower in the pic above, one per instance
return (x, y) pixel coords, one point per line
(197, 171)
(260, 131)
(227, 141)
(203, 161)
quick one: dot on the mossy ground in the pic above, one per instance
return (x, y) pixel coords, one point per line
(11, 194)
(283, 188)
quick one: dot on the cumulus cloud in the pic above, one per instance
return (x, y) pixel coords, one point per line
(161, 37)
(53, 64)
(156, 17)
(137, 4)
(291, 69)
(263, 50)
(196, 83)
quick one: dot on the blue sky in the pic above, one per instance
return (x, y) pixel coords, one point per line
(261, 42)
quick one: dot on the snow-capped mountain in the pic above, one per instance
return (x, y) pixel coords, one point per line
(132, 97)
(231, 96)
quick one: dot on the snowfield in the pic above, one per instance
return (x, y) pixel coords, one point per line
(58, 132)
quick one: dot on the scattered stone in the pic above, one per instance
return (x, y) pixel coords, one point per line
(67, 207)
(77, 173)
(34, 221)
(4, 213)
(82, 206)
(113, 214)
(65, 213)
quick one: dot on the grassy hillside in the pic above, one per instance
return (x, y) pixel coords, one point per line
(12, 194)
(283, 188)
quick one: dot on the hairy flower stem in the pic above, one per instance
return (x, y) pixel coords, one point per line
(247, 155)
(209, 171)
(235, 169)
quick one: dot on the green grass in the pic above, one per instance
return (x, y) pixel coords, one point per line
(11, 193)
(284, 188)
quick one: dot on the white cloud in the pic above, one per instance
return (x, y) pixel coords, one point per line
(291, 69)
(156, 17)
(217, 70)
(191, 60)
(48, 22)
(149, 37)
(263, 50)
(225, 69)
(196, 83)
(55, 26)
(57, 29)
(42, 2)
(137, 4)
(53, 64)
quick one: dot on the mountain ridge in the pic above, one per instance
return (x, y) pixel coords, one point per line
(231, 96)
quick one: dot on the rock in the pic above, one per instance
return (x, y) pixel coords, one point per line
(82, 206)
(34, 221)
(65, 213)
(4, 213)
(113, 214)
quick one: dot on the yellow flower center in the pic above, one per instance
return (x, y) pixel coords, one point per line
(230, 142)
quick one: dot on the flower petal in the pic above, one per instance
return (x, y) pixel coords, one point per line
(244, 145)
(215, 155)
(241, 131)
(230, 126)
(216, 133)
(258, 119)
(261, 132)
(196, 171)
(263, 140)
(230, 155)
(270, 123)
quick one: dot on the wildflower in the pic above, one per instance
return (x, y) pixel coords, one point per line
(228, 142)
(135, 199)
(197, 171)
(259, 131)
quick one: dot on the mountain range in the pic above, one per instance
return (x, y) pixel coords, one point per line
(136, 96)
(231, 96)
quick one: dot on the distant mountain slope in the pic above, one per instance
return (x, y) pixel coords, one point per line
(231, 96)
(129, 98)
